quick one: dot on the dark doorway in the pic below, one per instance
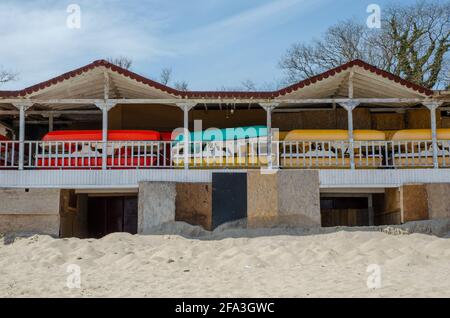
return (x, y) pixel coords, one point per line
(344, 211)
(108, 215)
(229, 197)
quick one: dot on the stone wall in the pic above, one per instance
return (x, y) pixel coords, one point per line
(438, 195)
(68, 212)
(156, 205)
(425, 201)
(30, 210)
(413, 202)
(285, 198)
(193, 204)
(387, 208)
(262, 199)
(73, 213)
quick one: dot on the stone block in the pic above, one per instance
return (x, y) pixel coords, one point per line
(193, 204)
(299, 197)
(414, 202)
(156, 205)
(30, 201)
(289, 197)
(438, 200)
(31, 223)
(262, 199)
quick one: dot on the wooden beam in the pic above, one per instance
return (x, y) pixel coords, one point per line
(52, 112)
(298, 110)
(173, 102)
(350, 84)
(106, 85)
(42, 122)
(50, 122)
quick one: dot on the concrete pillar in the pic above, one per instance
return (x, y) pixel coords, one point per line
(288, 197)
(438, 195)
(413, 202)
(194, 204)
(156, 205)
(34, 211)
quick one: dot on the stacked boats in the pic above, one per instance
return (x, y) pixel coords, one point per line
(232, 147)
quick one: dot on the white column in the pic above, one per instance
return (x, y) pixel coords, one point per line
(432, 106)
(21, 136)
(269, 107)
(105, 107)
(22, 106)
(104, 137)
(186, 107)
(350, 106)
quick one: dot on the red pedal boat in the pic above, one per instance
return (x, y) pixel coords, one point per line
(6, 151)
(81, 149)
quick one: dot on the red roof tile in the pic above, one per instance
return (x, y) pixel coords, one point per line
(215, 94)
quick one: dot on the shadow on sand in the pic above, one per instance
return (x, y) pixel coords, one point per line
(238, 229)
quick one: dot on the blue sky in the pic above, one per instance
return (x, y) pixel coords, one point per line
(208, 43)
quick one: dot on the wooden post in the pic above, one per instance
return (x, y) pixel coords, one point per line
(350, 106)
(432, 106)
(350, 84)
(371, 210)
(50, 122)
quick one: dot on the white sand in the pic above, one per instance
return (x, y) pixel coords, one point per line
(265, 263)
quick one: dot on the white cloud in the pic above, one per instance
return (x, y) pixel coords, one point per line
(36, 42)
(238, 26)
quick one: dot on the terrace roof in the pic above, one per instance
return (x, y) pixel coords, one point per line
(89, 82)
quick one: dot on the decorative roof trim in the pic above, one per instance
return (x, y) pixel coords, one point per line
(215, 94)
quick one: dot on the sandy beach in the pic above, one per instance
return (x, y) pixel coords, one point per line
(233, 262)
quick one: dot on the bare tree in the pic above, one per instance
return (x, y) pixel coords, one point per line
(166, 75)
(413, 43)
(182, 86)
(7, 76)
(248, 85)
(121, 61)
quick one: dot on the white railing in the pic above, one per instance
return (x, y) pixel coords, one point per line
(89, 154)
(9, 154)
(367, 154)
(233, 154)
